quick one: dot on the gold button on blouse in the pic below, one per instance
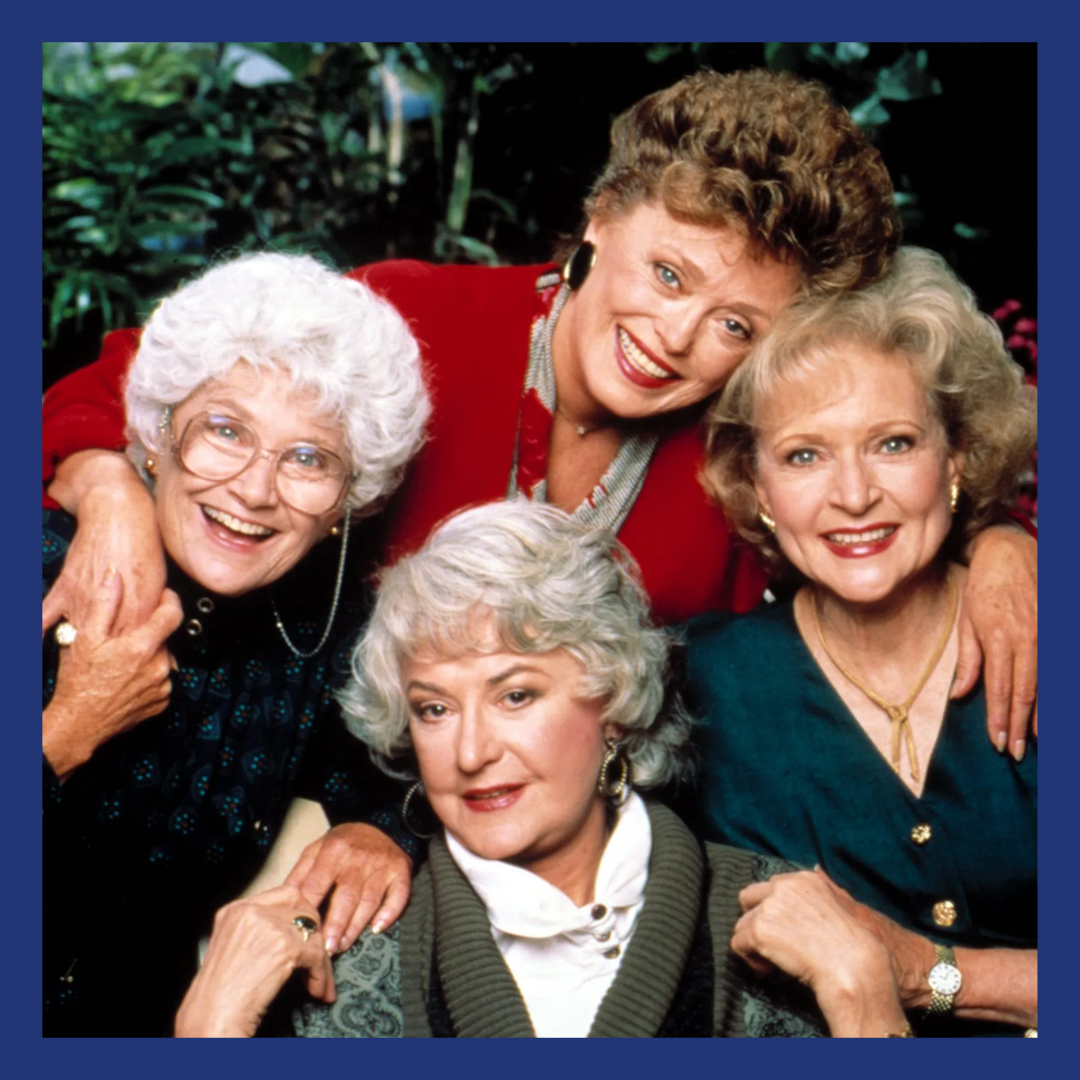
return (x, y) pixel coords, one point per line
(921, 834)
(613, 952)
(944, 913)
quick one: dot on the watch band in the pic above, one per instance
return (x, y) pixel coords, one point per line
(944, 978)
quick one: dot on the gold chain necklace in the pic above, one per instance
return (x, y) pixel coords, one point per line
(898, 714)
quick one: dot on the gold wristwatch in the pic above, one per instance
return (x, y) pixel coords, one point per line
(945, 981)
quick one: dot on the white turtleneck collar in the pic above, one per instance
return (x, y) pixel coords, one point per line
(564, 957)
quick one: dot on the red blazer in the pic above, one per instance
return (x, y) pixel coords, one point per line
(472, 324)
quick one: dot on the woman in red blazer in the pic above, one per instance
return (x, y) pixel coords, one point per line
(723, 197)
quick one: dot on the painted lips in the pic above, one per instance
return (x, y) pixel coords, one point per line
(486, 800)
(860, 543)
(639, 365)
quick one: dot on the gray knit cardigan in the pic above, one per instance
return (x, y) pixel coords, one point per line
(384, 981)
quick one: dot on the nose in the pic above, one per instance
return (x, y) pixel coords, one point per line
(855, 489)
(257, 484)
(678, 326)
(477, 745)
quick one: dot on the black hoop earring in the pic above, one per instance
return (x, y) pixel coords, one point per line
(576, 269)
(416, 789)
(619, 792)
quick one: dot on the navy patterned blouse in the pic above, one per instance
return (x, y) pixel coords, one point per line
(171, 819)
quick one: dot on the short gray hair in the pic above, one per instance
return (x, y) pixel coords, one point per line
(920, 311)
(547, 582)
(333, 335)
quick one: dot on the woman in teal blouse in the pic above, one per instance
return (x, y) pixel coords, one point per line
(859, 448)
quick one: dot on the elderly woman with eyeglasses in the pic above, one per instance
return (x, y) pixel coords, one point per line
(271, 404)
(511, 665)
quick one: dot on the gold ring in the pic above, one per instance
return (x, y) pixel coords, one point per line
(305, 925)
(65, 634)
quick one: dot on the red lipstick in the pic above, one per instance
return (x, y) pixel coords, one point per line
(861, 548)
(486, 800)
(634, 373)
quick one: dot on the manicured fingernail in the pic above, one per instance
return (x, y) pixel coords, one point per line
(1000, 740)
(378, 926)
(331, 945)
(1018, 749)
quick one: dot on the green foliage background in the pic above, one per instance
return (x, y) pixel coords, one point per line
(161, 157)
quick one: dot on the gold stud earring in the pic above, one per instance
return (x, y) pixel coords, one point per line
(954, 496)
(335, 530)
(767, 521)
(151, 466)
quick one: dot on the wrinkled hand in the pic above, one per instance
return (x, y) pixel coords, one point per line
(369, 874)
(999, 630)
(117, 528)
(108, 682)
(910, 954)
(253, 950)
(795, 922)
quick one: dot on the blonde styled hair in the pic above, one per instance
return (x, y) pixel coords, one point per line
(924, 313)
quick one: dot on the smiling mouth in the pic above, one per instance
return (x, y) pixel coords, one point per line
(237, 525)
(867, 536)
(642, 361)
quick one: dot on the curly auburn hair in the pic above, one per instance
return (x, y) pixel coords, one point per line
(922, 312)
(766, 152)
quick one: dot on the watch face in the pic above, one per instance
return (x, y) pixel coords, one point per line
(944, 978)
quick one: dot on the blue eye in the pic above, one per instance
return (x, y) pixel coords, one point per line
(802, 456)
(733, 326)
(896, 444)
(667, 276)
(306, 457)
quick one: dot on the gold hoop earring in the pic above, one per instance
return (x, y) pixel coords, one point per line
(416, 789)
(618, 792)
(767, 521)
(954, 496)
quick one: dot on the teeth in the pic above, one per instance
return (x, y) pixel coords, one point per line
(639, 359)
(867, 537)
(235, 524)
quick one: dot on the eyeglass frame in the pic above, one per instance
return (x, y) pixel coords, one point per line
(167, 426)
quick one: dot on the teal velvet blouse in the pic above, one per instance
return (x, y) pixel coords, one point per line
(785, 769)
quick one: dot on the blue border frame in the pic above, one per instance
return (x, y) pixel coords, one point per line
(1057, 127)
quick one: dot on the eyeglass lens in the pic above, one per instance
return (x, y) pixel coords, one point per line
(216, 447)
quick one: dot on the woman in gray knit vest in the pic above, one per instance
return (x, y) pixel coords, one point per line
(511, 664)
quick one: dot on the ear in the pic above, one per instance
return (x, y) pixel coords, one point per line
(763, 502)
(955, 467)
(613, 732)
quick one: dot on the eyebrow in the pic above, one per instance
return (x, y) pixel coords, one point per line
(224, 402)
(495, 680)
(515, 669)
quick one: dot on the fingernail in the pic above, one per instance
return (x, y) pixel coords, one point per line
(1000, 740)
(110, 573)
(1018, 749)
(378, 926)
(331, 945)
